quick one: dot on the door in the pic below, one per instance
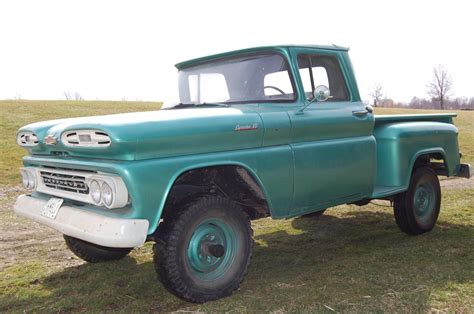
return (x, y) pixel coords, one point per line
(334, 150)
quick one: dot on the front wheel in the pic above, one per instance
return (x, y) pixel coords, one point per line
(204, 249)
(416, 210)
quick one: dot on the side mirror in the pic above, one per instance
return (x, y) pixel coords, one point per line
(321, 93)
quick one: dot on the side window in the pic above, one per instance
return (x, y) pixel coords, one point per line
(278, 84)
(322, 70)
(320, 77)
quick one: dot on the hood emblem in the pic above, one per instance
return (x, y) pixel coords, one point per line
(246, 127)
(50, 140)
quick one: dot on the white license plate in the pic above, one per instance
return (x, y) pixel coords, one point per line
(52, 207)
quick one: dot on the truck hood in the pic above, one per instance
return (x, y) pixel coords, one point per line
(155, 134)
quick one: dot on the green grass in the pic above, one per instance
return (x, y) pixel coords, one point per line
(351, 259)
(14, 114)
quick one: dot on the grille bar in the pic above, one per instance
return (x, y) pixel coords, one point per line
(65, 182)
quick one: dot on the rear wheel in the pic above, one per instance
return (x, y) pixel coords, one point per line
(203, 251)
(416, 210)
(94, 253)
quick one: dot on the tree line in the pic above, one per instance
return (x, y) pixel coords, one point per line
(439, 90)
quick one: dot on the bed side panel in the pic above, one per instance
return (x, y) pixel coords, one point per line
(399, 144)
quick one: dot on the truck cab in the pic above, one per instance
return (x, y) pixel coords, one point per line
(275, 131)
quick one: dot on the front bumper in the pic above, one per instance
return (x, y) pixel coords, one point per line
(84, 225)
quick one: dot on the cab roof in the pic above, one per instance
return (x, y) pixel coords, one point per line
(195, 61)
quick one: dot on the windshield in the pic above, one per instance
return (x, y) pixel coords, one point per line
(255, 78)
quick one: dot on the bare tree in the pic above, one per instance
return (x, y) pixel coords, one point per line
(440, 86)
(377, 94)
(78, 96)
(67, 95)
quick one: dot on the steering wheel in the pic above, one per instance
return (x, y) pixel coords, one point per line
(275, 88)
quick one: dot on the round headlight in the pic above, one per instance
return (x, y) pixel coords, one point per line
(24, 178)
(107, 194)
(95, 191)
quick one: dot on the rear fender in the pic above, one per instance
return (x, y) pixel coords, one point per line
(400, 145)
(421, 153)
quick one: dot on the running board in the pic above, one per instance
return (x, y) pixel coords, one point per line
(385, 191)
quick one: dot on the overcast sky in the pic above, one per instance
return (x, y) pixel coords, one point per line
(127, 49)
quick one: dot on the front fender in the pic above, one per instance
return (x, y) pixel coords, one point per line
(272, 169)
(207, 164)
(150, 181)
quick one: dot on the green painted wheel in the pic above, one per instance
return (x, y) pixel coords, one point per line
(212, 249)
(203, 251)
(424, 199)
(417, 209)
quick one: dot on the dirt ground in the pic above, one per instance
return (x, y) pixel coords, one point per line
(457, 183)
(24, 240)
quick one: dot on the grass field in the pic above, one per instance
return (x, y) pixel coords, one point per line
(351, 259)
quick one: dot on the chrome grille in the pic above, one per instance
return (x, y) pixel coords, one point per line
(65, 182)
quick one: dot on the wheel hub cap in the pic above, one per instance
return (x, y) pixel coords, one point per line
(424, 200)
(211, 249)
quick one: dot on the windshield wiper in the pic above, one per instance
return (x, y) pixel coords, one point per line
(212, 104)
(182, 105)
(204, 104)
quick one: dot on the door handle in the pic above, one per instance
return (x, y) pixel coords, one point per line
(361, 113)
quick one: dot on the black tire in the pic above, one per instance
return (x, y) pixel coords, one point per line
(416, 210)
(183, 239)
(94, 253)
(314, 214)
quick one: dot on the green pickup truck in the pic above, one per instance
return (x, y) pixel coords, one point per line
(275, 131)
